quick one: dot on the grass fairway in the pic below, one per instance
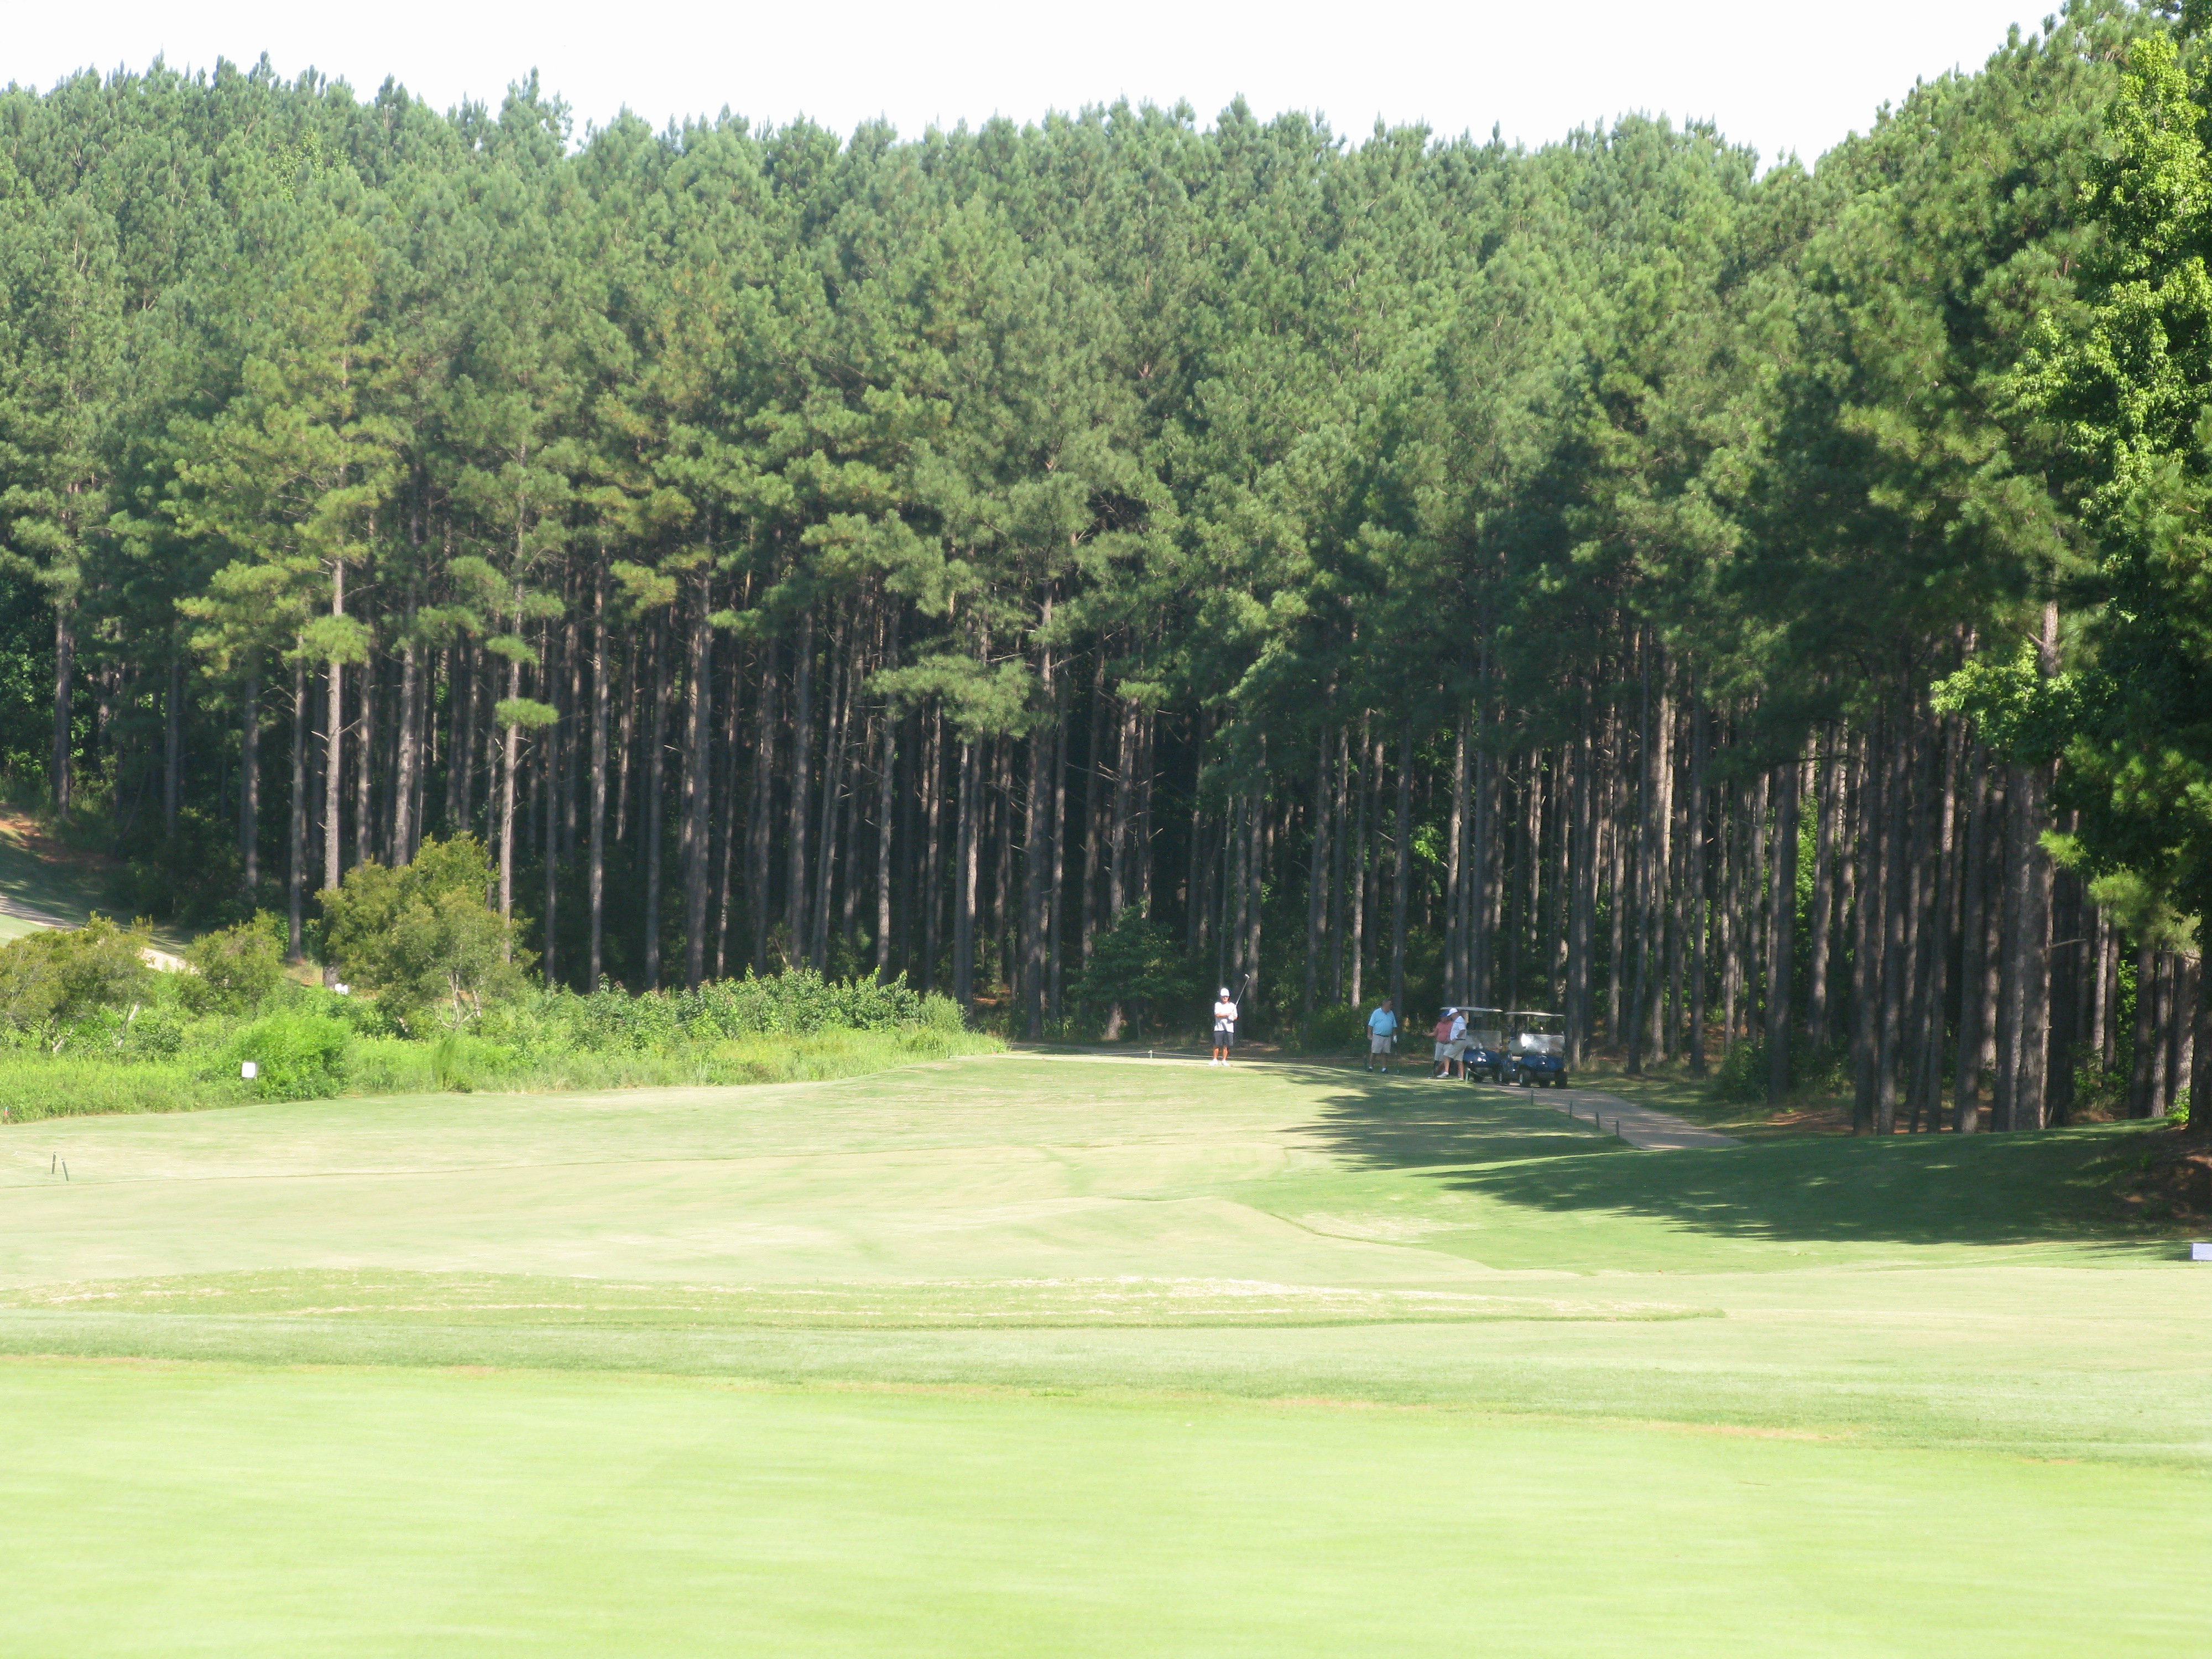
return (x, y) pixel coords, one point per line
(1022, 1355)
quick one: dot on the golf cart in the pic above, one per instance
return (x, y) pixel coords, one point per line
(1535, 1048)
(1485, 1045)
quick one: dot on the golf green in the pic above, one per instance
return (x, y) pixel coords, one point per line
(1033, 1355)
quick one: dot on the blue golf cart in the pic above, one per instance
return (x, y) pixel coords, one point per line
(1535, 1048)
(1485, 1055)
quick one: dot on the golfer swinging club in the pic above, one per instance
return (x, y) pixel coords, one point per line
(1225, 1027)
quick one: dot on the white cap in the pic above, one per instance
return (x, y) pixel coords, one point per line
(1224, 994)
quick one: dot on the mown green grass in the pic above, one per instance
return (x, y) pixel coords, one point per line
(1060, 1355)
(383, 1513)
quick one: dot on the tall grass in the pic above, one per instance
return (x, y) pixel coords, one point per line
(35, 1085)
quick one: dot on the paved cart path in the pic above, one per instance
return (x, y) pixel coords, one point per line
(1639, 1126)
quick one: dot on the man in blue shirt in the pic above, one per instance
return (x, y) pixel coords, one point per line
(1381, 1028)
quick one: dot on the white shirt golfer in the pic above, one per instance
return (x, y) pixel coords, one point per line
(1225, 1027)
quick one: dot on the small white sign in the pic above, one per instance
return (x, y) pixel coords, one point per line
(2200, 1252)
(249, 1070)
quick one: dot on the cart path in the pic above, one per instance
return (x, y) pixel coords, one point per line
(1642, 1126)
(1639, 1126)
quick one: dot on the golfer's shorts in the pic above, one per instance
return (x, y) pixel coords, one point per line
(1444, 1051)
(1456, 1050)
(1224, 1036)
(1378, 1045)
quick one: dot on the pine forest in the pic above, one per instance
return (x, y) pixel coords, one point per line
(1746, 607)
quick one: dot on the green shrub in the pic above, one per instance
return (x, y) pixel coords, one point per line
(298, 1054)
(1814, 1069)
(234, 969)
(796, 1002)
(55, 980)
(424, 937)
(1333, 1030)
(1137, 966)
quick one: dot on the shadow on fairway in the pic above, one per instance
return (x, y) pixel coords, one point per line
(2056, 1186)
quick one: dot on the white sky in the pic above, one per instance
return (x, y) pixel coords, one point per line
(1779, 76)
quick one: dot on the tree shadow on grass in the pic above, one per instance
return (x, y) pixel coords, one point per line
(1405, 1122)
(2055, 1185)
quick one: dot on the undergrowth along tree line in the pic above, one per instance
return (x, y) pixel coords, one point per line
(1071, 565)
(87, 1026)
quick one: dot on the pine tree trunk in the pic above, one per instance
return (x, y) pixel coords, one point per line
(1619, 806)
(1317, 862)
(1582, 888)
(1455, 963)
(1647, 1020)
(510, 758)
(1356, 947)
(654, 803)
(549, 749)
(1036, 852)
(1056, 890)
(1823, 872)
(2141, 1057)
(729, 821)
(1558, 906)
(1782, 944)
(626, 739)
(173, 745)
(2031, 1103)
(2200, 1043)
(460, 720)
(760, 821)
(816, 941)
(886, 808)
(2012, 983)
(295, 864)
(932, 773)
(1695, 861)
(1896, 908)
(59, 776)
(1869, 922)
(1256, 873)
(407, 761)
(698, 777)
(2100, 999)
(334, 742)
(1087, 916)
(964, 873)
(1927, 1092)
(596, 874)
(1481, 870)
(796, 896)
(1402, 834)
(364, 766)
(2161, 1080)
(1974, 878)
(1119, 875)
(249, 788)
(2182, 1067)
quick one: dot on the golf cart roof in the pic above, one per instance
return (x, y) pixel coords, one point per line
(1533, 1013)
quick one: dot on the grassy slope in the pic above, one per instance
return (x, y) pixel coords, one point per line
(41, 883)
(1049, 1355)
